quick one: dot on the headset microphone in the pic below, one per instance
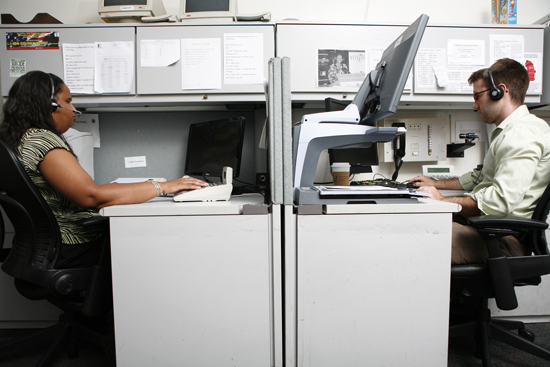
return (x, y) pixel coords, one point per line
(78, 113)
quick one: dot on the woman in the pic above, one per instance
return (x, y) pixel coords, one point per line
(337, 67)
(37, 112)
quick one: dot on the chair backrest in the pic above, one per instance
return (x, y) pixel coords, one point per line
(537, 239)
(37, 236)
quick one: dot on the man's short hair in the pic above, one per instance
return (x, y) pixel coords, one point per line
(509, 72)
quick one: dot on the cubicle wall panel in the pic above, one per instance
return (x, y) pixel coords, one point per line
(313, 48)
(208, 46)
(310, 48)
(373, 289)
(192, 290)
(51, 59)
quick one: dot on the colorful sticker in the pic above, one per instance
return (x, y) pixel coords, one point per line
(32, 40)
(18, 67)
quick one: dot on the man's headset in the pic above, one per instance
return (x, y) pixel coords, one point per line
(55, 104)
(496, 92)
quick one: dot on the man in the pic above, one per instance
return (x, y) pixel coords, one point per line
(516, 168)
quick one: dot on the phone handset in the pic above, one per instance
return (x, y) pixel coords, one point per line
(398, 149)
(227, 176)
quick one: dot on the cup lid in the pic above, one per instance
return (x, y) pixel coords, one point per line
(341, 165)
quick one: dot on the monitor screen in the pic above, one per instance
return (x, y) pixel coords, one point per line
(361, 159)
(212, 145)
(124, 2)
(381, 90)
(210, 9)
(192, 6)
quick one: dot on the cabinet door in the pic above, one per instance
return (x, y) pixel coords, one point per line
(368, 284)
(192, 290)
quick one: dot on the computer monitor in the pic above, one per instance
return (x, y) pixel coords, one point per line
(208, 10)
(379, 95)
(113, 11)
(361, 159)
(212, 145)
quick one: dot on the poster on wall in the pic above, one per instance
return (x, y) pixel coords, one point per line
(340, 68)
(32, 40)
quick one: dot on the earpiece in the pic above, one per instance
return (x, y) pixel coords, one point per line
(496, 92)
(52, 98)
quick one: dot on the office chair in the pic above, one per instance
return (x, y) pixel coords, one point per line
(84, 294)
(473, 284)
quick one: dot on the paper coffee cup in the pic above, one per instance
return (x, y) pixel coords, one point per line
(340, 173)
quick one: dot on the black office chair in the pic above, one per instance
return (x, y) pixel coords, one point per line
(473, 284)
(84, 294)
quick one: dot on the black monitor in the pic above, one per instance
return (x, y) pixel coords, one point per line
(213, 145)
(381, 90)
(361, 159)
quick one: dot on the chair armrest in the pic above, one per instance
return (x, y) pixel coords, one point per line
(507, 222)
(96, 224)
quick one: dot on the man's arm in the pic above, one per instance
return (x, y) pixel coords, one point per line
(452, 184)
(469, 205)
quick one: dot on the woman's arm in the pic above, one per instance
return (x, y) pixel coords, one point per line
(63, 172)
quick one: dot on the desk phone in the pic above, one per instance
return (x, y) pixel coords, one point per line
(214, 192)
(438, 172)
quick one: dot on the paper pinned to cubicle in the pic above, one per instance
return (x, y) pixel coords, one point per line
(114, 67)
(78, 66)
(201, 63)
(466, 52)
(159, 53)
(243, 58)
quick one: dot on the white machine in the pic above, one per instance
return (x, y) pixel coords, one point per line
(214, 192)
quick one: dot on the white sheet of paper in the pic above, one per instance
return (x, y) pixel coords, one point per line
(159, 53)
(201, 63)
(508, 45)
(466, 52)
(424, 75)
(243, 58)
(89, 122)
(114, 67)
(458, 78)
(78, 65)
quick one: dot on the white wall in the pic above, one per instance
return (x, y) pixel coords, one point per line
(372, 11)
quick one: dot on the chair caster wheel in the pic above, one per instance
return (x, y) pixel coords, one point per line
(527, 334)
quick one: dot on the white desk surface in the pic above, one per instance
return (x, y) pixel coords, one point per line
(168, 207)
(423, 206)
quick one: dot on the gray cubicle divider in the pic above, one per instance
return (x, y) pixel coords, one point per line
(50, 59)
(168, 80)
(274, 131)
(286, 104)
(315, 38)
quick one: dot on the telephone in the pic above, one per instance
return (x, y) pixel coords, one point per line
(214, 192)
(398, 145)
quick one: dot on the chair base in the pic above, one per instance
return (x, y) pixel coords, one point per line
(64, 335)
(484, 328)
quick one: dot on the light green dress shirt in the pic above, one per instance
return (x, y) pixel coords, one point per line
(516, 168)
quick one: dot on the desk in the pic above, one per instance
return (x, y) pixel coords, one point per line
(372, 285)
(193, 284)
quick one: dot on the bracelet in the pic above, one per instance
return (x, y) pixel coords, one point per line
(159, 189)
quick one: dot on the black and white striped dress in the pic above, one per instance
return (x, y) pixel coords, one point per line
(34, 146)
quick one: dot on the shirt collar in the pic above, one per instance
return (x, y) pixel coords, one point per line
(518, 113)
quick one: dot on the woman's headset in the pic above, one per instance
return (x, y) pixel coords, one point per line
(496, 92)
(52, 98)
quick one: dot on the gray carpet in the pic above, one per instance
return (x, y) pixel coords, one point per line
(461, 353)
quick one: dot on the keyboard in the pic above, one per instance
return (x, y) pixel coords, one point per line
(382, 182)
